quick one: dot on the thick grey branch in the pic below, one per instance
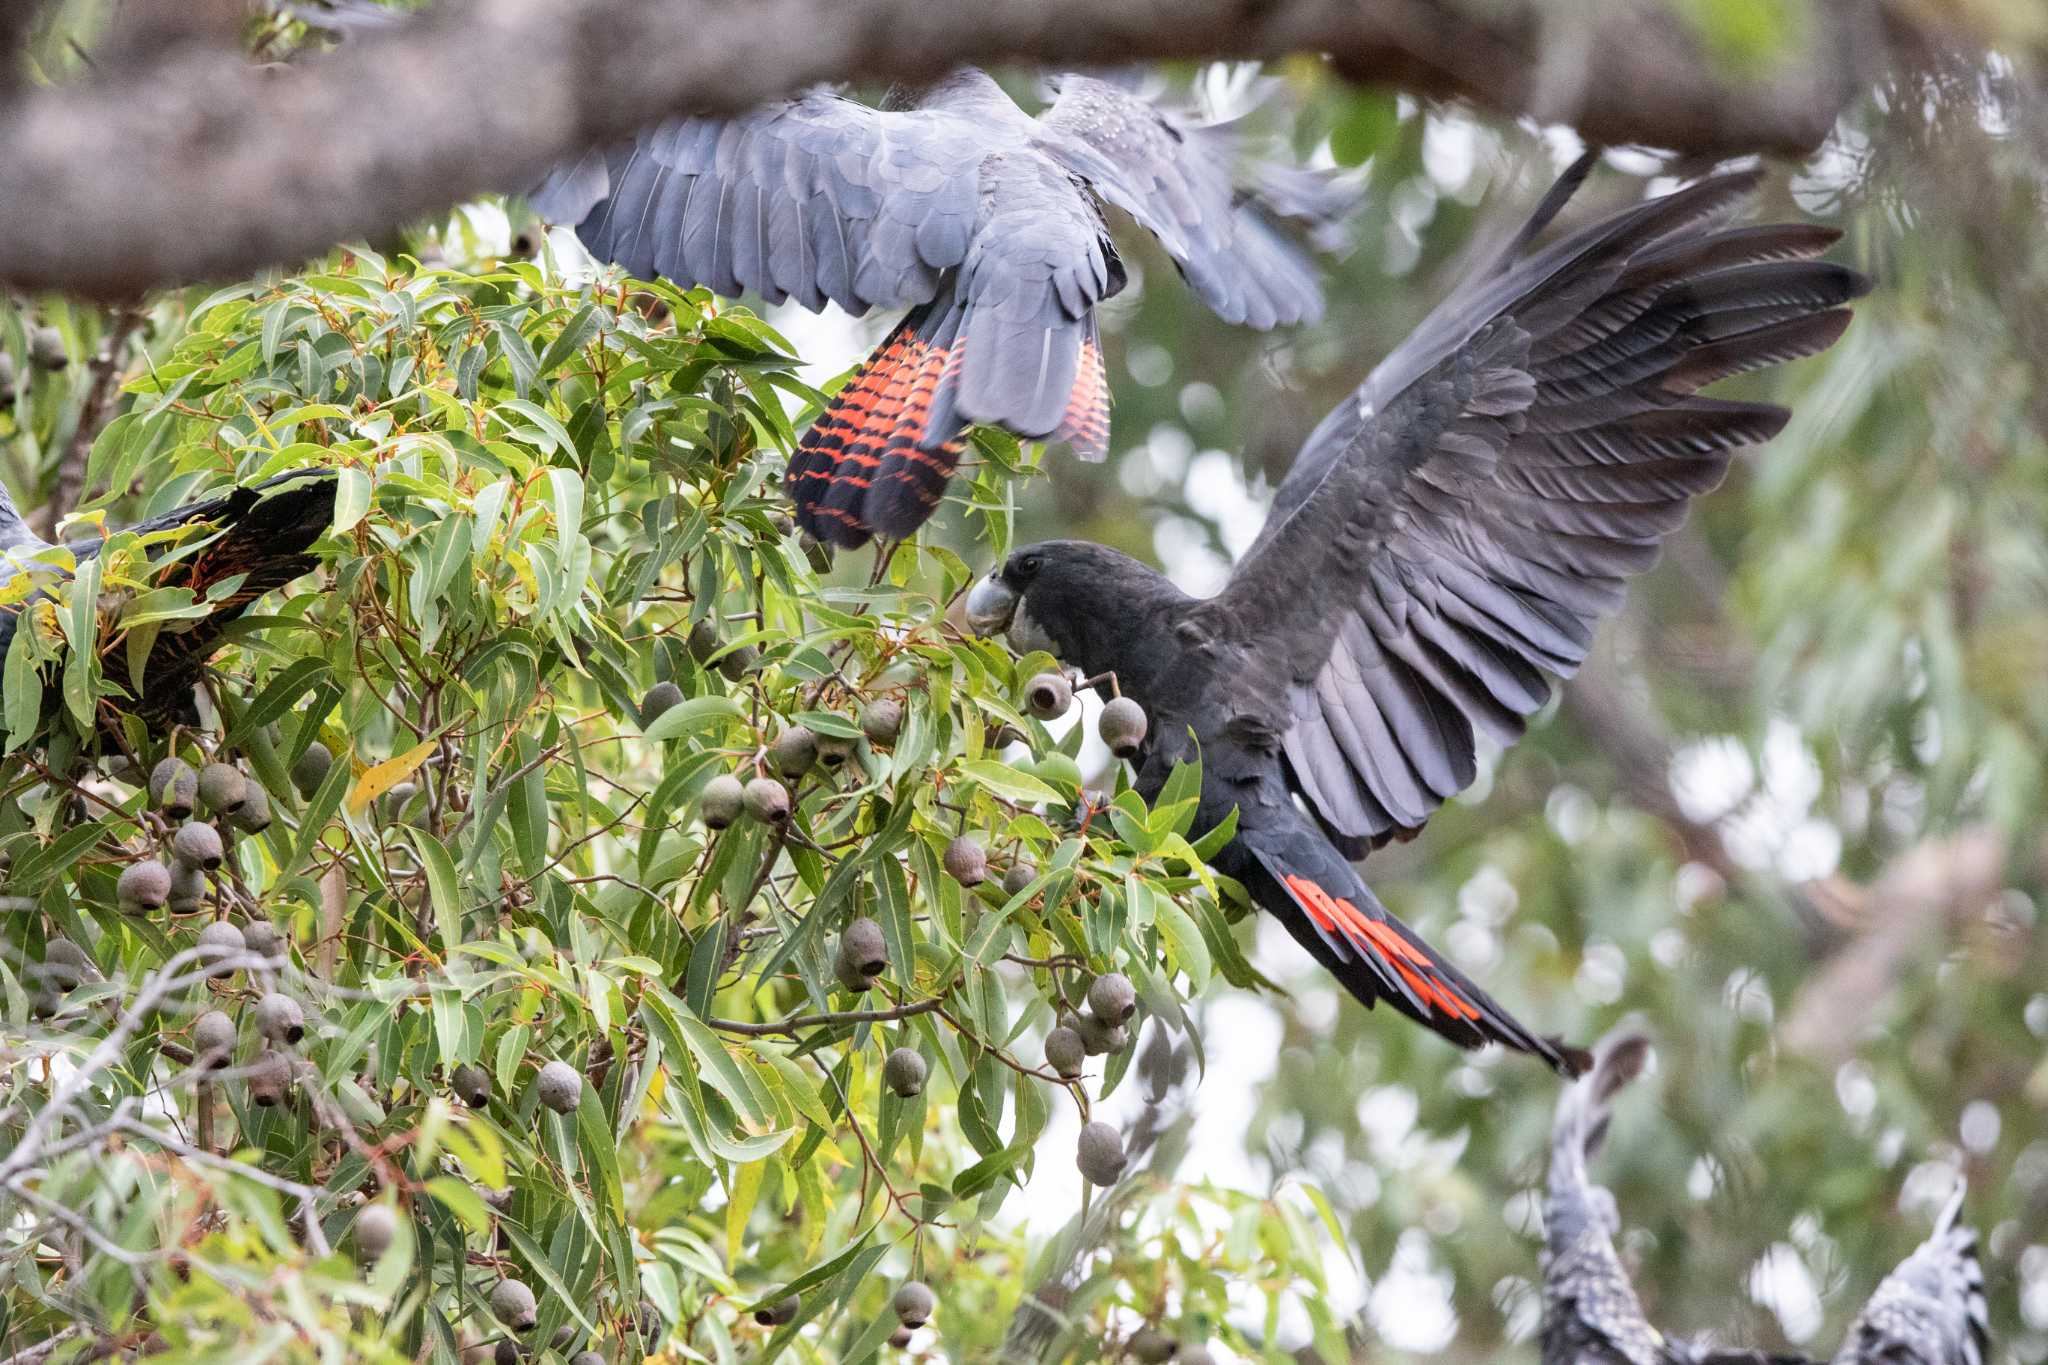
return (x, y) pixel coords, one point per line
(199, 167)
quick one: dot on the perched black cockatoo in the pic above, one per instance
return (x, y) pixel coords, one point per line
(982, 220)
(257, 535)
(1447, 537)
(1591, 1315)
(1931, 1309)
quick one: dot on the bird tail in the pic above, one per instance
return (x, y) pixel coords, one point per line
(878, 459)
(1957, 1241)
(1580, 1127)
(265, 530)
(1317, 895)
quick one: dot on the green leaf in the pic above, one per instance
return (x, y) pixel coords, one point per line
(1006, 781)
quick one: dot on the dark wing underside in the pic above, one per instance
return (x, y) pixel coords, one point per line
(812, 199)
(1449, 537)
(1179, 181)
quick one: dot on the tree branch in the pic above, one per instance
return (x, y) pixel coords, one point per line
(196, 166)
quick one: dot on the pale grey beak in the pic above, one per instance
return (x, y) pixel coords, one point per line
(990, 607)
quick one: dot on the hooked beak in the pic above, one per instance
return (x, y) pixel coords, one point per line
(991, 606)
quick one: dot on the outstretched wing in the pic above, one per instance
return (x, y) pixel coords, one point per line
(1180, 181)
(1452, 533)
(813, 199)
(1931, 1309)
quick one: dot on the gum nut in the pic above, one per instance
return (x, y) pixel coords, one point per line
(66, 965)
(777, 1313)
(739, 662)
(188, 889)
(881, 720)
(261, 936)
(43, 1002)
(1122, 726)
(914, 1303)
(279, 1018)
(904, 1072)
(1112, 998)
(1065, 1052)
(1020, 875)
(794, 752)
(834, 750)
(1048, 695)
(704, 641)
(222, 788)
(376, 1228)
(966, 861)
(254, 815)
(309, 769)
(1100, 1153)
(213, 1038)
(900, 1338)
(400, 793)
(851, 977)
(660, 699)
(1096, 1036)
(559, 1087)
(270, 1078)
(766, 800)
(221, 939)
(46, 348)
(1152, 1346)
(197, 844)
(864, 948)
(514, 1304)
(564, 1334)
(506, 1352)
(721, 801)
(174, 788)
(471, 1084)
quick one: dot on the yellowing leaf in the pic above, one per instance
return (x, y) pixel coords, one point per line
(379, 778)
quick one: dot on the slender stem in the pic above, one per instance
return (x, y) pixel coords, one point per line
(790, 1025)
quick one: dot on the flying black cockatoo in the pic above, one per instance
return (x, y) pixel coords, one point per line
(1446, 538)
(256, 535)
(982, 220)
(1931, 1309)
(1591, 1315)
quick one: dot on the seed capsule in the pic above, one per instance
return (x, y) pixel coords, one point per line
(270, 1079)
(514, 1304)
(904, 1072)
(766, 800)
(864, 948)
(261, 936)
(219, 940)
(794, 752)
(660, 698)
(213, 1039)
(197, 844)
(833, 750)
(559, 1087)
(174, 787)
(254, 815)
(223, 788)
(779, 1312)
(188, 889)
(1112, 998)
(309, 769)
(279, 1019)
(1065, 1052)
(721, 801)
(1100, 1154)
(881, 720)
(966, 861)
(914, 1303)
(143, 886)
(1020, 876)
(471, 1084)
(1048, 695)
(376, 1228)
(1122, 727)
(1152, 1346)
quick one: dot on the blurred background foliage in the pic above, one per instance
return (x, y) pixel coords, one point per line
(1790, 816)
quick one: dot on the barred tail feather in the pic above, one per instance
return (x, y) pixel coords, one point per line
(884, 410)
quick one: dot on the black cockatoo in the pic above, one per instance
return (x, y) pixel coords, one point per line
(1591, 1315)
(1447, 537)
(1931, 1309)
(257, 535)
(982, 220)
